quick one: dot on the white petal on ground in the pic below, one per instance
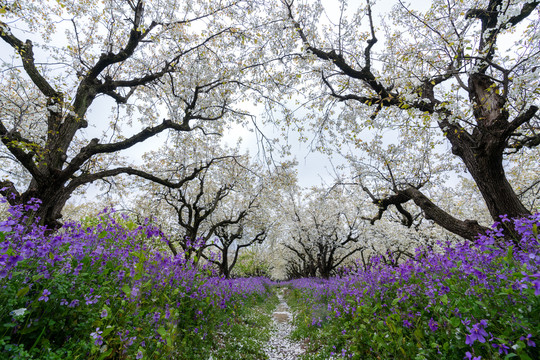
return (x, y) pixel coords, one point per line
(280, 346)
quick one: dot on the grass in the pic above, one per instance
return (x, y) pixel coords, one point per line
(248, 331)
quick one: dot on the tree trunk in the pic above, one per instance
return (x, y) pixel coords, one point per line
(53, 198)
(225, 262)
(486, 168)
(482, 151)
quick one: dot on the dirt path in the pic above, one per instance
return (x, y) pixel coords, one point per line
(280, 346)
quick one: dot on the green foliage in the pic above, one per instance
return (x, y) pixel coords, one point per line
(252, 263)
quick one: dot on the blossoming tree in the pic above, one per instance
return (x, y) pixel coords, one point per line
(168, 66)
(467, 68)
(225, 207)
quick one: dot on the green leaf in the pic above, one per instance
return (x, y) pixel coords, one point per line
(23, 291)
(107, 330)
(161, 331)
(444, 299)
(106, 354)
(455, 321)
(127, 290)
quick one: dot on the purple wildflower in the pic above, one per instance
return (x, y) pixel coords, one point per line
(407, 324)
(433, 325)
(501, 347)
(45, 295)
(536, 286)
(469, 356)
(477, 333)
(97, 336)
(528, 340)
(7, 225)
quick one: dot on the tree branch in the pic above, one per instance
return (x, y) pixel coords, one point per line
(8, 190)
(13, 141)
(468, 229)
(85, 179)
(95, 148)
(25, 51)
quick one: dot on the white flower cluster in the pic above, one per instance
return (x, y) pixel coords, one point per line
(18, 312)
(55, 108)
(5, 30)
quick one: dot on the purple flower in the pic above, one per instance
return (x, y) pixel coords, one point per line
(528, 340)
(104, 313)
(469, 356)
(433, 325)
(139, 355)
(97, 336)
(45, 295)
(536, 286)
(7, 225)
(501, 347)
(91, 299)
(407, 324)
(477, 332)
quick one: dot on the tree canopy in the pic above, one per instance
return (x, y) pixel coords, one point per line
(435, 110)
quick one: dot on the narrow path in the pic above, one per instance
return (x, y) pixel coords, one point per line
(280, 346)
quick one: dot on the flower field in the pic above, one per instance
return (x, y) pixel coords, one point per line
(473, 301)
(100, 292)
(106, 289)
